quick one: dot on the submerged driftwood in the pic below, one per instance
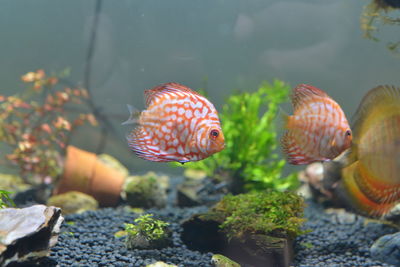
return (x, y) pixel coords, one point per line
(29, 233)
(203, 234)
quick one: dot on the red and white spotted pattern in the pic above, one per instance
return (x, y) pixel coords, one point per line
(178, 125)
(318, 130)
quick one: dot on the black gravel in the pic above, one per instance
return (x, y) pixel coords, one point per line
(88, 240)
(334, 242)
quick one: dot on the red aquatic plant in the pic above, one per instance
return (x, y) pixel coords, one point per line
(36, 126)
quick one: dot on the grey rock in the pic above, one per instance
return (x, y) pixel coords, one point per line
(29, 233)
(341, 216)
(387, 249)
(146, 191)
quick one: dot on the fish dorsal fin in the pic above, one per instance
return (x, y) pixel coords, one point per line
(380, 101)
(152, 94)
(303, 92)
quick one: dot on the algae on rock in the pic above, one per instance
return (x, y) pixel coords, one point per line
(146, 191)
(256, 228)
(147, 232)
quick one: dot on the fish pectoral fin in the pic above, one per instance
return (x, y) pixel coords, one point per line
(283, 119)
(133, 115)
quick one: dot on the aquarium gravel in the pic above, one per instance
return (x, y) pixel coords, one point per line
(335, 241)
(88, 239)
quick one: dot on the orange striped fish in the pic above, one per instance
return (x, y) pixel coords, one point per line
(178, 125)
(317, 131)
(371, 180)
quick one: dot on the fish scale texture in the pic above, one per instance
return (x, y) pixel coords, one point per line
(90, 240)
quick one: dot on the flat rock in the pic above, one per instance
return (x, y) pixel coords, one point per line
(73, 202)
(29, 233)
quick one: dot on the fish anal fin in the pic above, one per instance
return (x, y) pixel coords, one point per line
(303, 92)
(293, 151)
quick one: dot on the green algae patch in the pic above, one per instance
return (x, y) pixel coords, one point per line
(221, 261)
(274, 213)
(147, 232)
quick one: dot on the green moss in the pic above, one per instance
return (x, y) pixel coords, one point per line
(148, 227)
(279, 214)
(5, 199)
(251, 140)
(142, 186)
(221, 261)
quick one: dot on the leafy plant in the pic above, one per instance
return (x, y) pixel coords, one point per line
(251, 140)
(148, 227)
(35, 126)
(5, 199)
(279, 214)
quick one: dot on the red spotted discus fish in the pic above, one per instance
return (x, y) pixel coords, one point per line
(371, 180)
(317, 131)
(178, 125)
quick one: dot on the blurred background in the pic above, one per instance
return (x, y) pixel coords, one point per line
(219, 45)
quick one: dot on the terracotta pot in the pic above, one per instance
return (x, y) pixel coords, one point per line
(83, 172)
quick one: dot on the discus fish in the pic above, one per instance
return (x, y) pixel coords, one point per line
(371, 179)
(317, 131)
(178, 125)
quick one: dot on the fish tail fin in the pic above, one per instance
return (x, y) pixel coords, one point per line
(133, 115)
(293, 151)
(140, 143)
(290, 146)
(282, 119)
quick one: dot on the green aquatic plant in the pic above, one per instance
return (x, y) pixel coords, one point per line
(274, 213)
(145, 225)
(5, 199)
(36, 128)
(251, 141)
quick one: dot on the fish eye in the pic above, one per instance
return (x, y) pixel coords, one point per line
(214, 133)
(348, 133)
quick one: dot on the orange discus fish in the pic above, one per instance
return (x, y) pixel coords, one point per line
(371, 180)
(317, 131)
(178, 125)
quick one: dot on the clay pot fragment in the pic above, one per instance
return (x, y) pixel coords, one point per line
(86, 173)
